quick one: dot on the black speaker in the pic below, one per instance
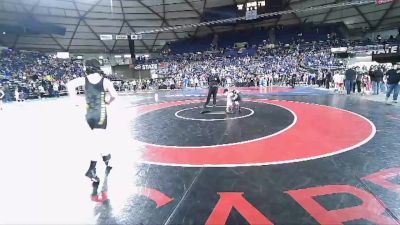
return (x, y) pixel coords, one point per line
(386, 58)
(274, 5)
(343, 55)
(132, 49)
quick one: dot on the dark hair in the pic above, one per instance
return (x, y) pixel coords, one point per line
(225, 90)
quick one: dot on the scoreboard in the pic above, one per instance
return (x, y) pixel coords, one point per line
(249, 8)
(262, 6)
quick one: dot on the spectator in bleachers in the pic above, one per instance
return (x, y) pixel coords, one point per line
(28, 70)
(56, 91)
(41, 90)
(1, 97)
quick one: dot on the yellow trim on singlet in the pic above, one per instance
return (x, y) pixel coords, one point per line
(103, 109)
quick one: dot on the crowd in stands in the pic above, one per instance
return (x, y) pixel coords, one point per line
(25, 74)
(272, 64)
(311, 62)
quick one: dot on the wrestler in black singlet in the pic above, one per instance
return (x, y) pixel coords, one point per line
(96, 114)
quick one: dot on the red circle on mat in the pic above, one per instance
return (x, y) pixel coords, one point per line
(320, 131)
(264, 90)
(257, 90)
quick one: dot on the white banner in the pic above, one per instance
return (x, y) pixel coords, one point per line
(146, 67)
(63, 55)
(106, 37)
(121, 37)
(339, 50)
(136, 36)
(251, 15)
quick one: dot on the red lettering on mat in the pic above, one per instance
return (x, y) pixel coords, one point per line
(229, 200)
(370, 209)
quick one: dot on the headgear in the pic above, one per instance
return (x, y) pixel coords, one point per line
(93, 66)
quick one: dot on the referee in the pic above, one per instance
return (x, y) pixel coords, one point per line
(213, 83)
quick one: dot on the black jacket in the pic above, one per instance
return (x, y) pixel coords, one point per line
(329, 76)
(213, 80)
(350, 74)
(378, 75)
(393, 76)
(359, 77)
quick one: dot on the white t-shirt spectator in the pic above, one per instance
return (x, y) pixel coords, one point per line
(337, 79)
(41, 89)
(342, 78)
(55, 86)
(16, 94)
